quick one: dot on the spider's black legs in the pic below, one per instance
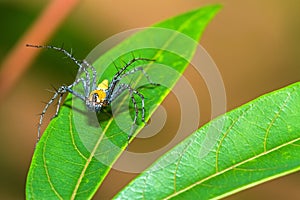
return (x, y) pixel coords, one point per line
(132, 92)
(117, 76)
(143, 106)
(81, 69)
(97, 96)
(144, 73)
(127, 65)
(119, 90)
(94, 73)
(116, 88)
(59, 93)
(136, 109)
(123, 87)
(69, 55)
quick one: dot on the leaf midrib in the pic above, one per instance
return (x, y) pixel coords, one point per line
(233, 166)
(243, 162)
(111, 119)
(90, 159)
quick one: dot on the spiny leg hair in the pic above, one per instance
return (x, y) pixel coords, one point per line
(64, 89)
(89, 84)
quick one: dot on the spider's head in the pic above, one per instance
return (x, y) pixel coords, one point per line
(97, 98)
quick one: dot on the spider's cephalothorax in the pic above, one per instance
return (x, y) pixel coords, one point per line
(96, 96)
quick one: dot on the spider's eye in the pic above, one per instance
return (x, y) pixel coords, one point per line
(95, 97)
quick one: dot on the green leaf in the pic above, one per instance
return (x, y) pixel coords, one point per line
(254, 143)
(78, 147)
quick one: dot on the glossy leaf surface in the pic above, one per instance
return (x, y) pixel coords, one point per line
(254, 143)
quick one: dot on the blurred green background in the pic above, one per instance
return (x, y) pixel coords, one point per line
(255, 44)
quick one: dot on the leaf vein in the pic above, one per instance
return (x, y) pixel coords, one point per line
(277, 114)
(46, 169)
(233, 167)
(178, 162)
(73, 139)
(225, 135)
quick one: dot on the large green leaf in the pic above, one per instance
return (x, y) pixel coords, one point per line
(257, 142)
(78, 147)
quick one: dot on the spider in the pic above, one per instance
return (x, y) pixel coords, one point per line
(97, 97)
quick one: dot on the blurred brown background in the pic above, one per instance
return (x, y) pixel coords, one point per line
(255, 44)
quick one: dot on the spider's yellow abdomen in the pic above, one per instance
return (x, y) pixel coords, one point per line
(103, 85)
